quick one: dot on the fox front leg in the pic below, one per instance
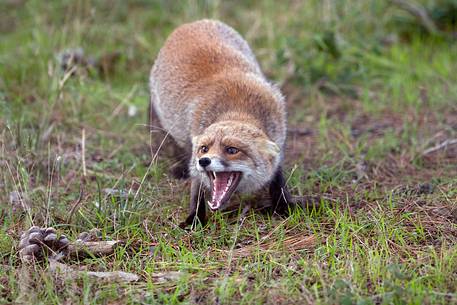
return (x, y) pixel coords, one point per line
(197, 205)
(280, 196)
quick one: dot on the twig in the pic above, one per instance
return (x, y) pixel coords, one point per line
(232, 248)
(83, 153)
(442, 145)
(78, 201)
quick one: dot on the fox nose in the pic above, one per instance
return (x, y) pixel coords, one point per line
(204, 162)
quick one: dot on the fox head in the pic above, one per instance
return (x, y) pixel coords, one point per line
(233, 156)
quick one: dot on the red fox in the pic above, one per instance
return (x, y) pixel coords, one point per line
(208, 92)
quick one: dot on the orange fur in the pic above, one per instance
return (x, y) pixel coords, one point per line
(207, 89)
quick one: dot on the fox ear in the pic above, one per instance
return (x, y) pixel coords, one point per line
(269, 147)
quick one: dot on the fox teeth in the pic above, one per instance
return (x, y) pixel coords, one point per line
(211, 205)
(229, 183)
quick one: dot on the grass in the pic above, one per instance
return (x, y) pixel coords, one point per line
(367, 94)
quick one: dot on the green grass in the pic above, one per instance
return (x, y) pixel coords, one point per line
(371, 107)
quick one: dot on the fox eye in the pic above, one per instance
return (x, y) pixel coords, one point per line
(232, 150)
(204, 149)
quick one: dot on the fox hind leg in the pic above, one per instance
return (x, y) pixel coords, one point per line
(161, 140)
(180, 169)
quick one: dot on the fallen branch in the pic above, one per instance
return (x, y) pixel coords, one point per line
(66, 272)
(96, 248)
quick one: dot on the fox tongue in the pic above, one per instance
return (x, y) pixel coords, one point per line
(221, 185)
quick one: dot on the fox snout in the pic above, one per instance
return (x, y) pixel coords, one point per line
(204, 162)
(211, 164)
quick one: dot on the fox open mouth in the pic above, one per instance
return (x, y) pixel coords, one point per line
(223, 184)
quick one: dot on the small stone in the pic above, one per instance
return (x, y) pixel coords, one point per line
(26, 257)
(63, 241)
(50, 237)
(15, 198)
(83, 236)
(33, 248)
(23, 243)
(425, 188)
(132, 110)
(35, 237)
(50, 230)
(116, 193)
(34, 229)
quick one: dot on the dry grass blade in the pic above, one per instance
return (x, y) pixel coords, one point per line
(442, 145)
(419, 12)
(299, 242)
(83, 151)
(292, 243)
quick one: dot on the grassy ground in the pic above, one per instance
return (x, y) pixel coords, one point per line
(369, 92)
